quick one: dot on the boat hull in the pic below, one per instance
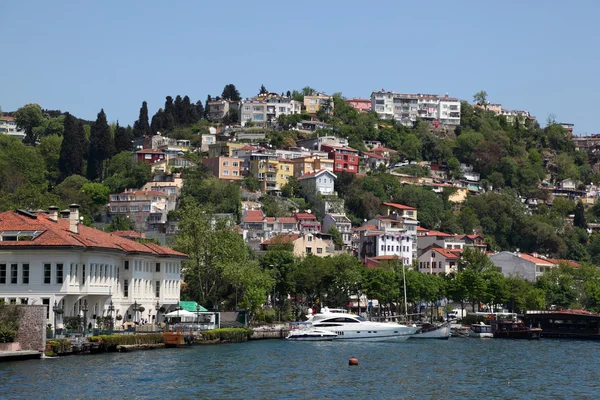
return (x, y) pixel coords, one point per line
(441, 333)
(533, 334)
(311, 336)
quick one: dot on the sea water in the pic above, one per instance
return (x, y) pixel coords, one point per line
(454, 369)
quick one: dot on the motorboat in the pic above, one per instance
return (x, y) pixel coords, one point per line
(432, 331)
(311, 335)
(481, 331)
(515, 330)
(353, 327)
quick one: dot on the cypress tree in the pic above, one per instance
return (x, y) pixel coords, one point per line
(101, 147)
(230, 92)
(141, 127)
(169, 114)
(158, 121)
(191, 116)
(179, 114)
(206, 106)
(122, 139)
(73, 148)
(199, 109)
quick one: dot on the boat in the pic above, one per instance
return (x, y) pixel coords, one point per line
(514, 330)
(481, 331)
(432, 331)
(353, 327)
(565, 324)
(311, 335)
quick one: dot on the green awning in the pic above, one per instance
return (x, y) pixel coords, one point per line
(190, 306)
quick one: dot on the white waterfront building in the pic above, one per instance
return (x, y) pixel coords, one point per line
(48, 257)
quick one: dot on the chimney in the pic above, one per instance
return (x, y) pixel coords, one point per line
(53, 213)
(74, 218)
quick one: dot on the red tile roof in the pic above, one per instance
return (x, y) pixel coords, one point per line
(56, 234)
(383, 149)
(129, 234)
(399, 206)
(366, 228)
(287, 220)
(253, 216)
(429, 232)
(535, 260)
(446, 253)
(570, 263)
(306, 216)
(281, 239)
(6, 118)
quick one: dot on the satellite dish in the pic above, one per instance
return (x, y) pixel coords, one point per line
(308, 211)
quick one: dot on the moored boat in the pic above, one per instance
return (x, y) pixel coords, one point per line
(514, 330)
(352, 327)
(311, 335)
(481, 331)
(431, 331)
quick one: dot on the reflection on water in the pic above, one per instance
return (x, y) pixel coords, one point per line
(457, 368)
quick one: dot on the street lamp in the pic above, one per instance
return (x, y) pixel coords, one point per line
(157, 308)
(55, 310)
(111, 308)
(85, 309)
(136, 307)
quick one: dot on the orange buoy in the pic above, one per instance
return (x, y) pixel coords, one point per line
(353, 361)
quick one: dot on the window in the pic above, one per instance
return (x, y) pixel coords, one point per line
(123, 209)
(157, 267)
(59, 273)
(309, 238)
(319, 250)
(115, 198)
(26, 274)
(235, 164)
(82, 274)
(235, 173)
(134, 208)
(308, 250)
(118, 270)
(14, 273)
(225, 173)
(146, 207)
(157, 289)
(338, 157)
(126, 288)
(47, 273)
(46, 302)
(126, 265)
(226, 163)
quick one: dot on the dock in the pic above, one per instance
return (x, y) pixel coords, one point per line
(19, 355)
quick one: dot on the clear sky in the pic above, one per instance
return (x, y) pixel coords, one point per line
(79, 56)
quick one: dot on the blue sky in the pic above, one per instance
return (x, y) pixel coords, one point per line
(82, 56)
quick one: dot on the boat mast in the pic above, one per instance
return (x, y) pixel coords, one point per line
(405, 301)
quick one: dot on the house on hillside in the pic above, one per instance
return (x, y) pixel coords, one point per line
(307, 222)
(439, 261)
(303, 244)
(342, 223)
(50, 258)
(526, 266)
(146, 209)
(400, 209)
(256, 227)
(377, 243)
(318, 182)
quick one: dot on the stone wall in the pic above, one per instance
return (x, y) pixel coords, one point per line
(32, 327)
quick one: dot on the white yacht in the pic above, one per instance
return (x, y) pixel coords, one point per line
(352, 327)
(481, 331)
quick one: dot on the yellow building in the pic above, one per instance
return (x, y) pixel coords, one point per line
(223, 149)
(312, 104)
(309, 164)
(400, 209)
(286, 169)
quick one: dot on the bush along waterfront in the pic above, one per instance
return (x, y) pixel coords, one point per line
(225, 335)
(55, 347)
(112, 342)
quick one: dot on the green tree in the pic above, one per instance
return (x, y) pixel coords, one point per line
(481, 98)
(123, 172)
(263, 90)
(336, 236)
(28, 118)
(74, 148)
(119, 223)
(230, 92)
(123, 139)
(49, 149)
(101, 147)
(141, 127)
(579, 219)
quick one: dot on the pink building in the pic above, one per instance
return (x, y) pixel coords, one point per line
(362, 105)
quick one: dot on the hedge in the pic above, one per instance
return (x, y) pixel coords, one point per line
(57, 346)
(110, 342)
(228, 334)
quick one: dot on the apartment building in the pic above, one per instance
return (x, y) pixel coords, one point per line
(345, 158)
(8, 127)
(225, 168)
(317, 142)
(342, 223)
(256, 227)
(224, 149)
(362, 105)
(271, 171)
(264, 109)
(217, 109)
(406, 108)
(310, 164)
(146, 209)
(312, 104)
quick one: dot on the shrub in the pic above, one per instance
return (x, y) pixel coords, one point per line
(228, 334)
(57, 346)
(9, 323)
(110, 342)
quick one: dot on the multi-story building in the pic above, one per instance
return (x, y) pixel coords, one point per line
(342, 223)
(264, 109)
(302, 244)
(256, 227)
(307, 222)
(225, 168)
(217, 109)
(400, 209)
(309, 164)
(8, 127)
(406, 108)
(439, 261)
(54, 260)
(382, 245)
(146, 209)
(224, 149)
(587, 143)
(264, 166)
(345, 158)
(319, 182)
(317, 142)
(362, 105)
(150, 156)
(312, 104)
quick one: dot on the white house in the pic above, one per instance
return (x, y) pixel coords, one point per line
(48, 259)
(439, 261)
(321, 182)
(379, 244)
(342, 223)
